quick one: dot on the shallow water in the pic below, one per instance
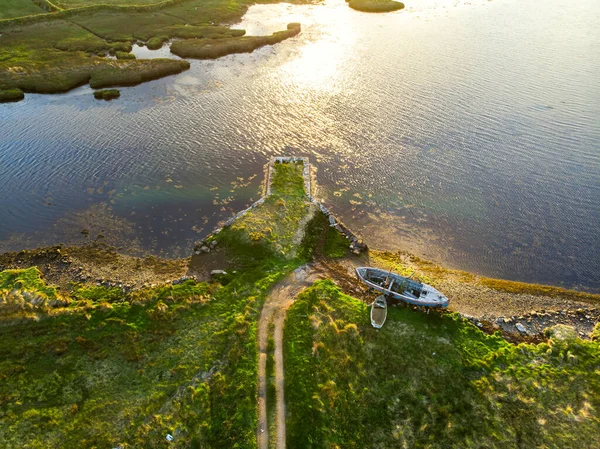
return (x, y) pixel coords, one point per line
(465, 132)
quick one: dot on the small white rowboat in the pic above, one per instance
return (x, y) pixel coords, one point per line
(378, 312)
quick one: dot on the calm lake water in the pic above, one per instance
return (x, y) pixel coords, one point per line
(465, 132)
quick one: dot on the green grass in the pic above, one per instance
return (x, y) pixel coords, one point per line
(375, 5)
(23, 290)
(321, 239)
(18, 8)
(115, 368)
(431, 381)
(274, 230)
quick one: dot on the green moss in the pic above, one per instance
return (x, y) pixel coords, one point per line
(107, 94)
(98, 294)
(156, 42)
(27, 280)
(375, 5)
(124, 55)
(429, 381)
(336, 244)
(10, 95)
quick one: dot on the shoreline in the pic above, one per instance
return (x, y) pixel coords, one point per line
(520, 311)
(492, 309)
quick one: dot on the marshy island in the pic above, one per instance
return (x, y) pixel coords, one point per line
(53, 47)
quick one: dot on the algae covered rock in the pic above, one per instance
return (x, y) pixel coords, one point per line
(561, 332)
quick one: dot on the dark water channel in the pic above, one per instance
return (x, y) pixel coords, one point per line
(465, 132)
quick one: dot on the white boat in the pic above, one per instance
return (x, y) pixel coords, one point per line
(378, 312)
(401, 288)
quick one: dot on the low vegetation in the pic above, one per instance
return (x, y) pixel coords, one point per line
(64, 48)
(10, 95)
(95, 366)
(107, 94)
(430, 381)
(375, 5)
(18, 8)
(215, 48)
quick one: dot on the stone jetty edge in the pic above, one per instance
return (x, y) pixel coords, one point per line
(356, 244)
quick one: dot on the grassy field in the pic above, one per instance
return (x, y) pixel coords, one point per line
(431, 381)
(18, 8)
(90, 366)
(100, 368)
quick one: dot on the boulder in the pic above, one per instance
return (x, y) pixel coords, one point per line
(521, 328)
(561, 332)
(218, 273)
(205, 249)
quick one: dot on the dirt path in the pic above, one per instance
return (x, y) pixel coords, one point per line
(274, 310)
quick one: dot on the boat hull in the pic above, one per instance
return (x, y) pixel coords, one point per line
(428, 296)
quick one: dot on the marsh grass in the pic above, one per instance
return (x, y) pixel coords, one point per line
(52, 53)
(430, 381)
(11, 95)
(215, 48)
(124, 55)
(108, 94)
(18, 8)
(375, 5)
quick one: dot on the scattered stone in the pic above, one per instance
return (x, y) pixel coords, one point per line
(205, 249)
(521, 328)
(500, 320)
